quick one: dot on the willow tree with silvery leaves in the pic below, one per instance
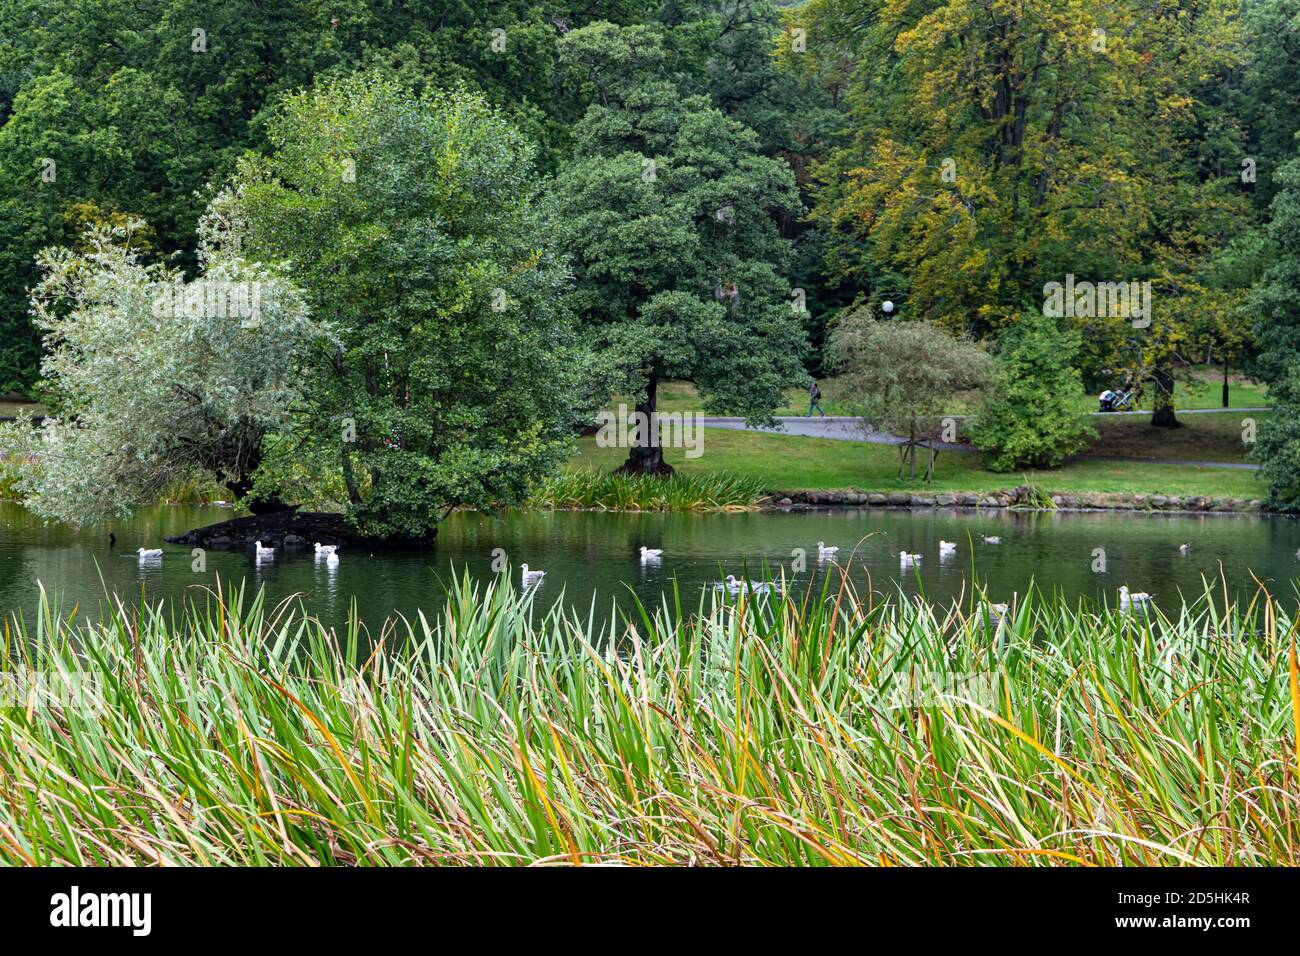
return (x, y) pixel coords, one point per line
(670, 218)
(419, 226)
(154, 379)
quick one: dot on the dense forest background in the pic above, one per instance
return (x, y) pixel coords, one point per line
(950, 155)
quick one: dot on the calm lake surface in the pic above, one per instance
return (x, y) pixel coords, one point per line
(590, 555)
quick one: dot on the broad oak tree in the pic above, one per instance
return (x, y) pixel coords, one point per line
(668, 212)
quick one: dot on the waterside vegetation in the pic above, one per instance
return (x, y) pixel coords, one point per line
(824, 727)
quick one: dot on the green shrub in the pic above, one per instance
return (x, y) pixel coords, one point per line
(1277, 445)
(1029, 418)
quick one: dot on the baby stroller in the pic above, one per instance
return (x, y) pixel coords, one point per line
(1113, 401)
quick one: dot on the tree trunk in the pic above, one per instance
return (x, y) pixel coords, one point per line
(1162, 415)
(350, 478)
(241, 485)
(911, 440)
(1225, 383)
(240, 488)
(646, 456)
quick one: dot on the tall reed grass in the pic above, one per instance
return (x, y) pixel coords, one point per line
(820, 728)
(601, 491)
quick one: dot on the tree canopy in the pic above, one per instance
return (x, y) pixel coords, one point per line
(669, 218)
(697, 189)
(417, 229)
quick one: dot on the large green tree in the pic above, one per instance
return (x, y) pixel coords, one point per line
(1276, 305)
(417, 226)
(1267, 98)
(1001, 146)
(141, 104)
(64, 147)
(669, 213)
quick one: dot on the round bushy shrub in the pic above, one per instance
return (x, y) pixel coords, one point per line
(1031, 417)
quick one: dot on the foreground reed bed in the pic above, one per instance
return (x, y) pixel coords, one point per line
(816, 728)
(601, 491)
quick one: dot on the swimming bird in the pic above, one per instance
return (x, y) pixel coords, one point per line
(649, 553)
(331, 560)
(947, 547)
(1184, 548)
(992, 539)
(264, 552)
(908, 560)
(995, 614)
(1129, 600)
(530, 577)
(735, 585)
(823, 551)
(326, 548)
(149, 552)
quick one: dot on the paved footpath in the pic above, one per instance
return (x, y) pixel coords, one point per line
(848, 428)
(842, 428)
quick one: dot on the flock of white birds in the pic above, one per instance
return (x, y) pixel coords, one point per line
(329, 553)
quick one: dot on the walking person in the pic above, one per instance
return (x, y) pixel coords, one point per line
(815, 400)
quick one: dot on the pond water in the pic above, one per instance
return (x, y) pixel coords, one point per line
(588, 555)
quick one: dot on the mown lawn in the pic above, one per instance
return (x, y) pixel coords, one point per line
(1201, 437)
(790, 462)
(10, 409)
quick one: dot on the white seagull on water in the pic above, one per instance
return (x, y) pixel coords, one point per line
(735, 585)
(530, 577)
(149, 552)
(1128, 601)
(648, 554)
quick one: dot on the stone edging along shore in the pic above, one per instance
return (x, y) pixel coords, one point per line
(1019, 497)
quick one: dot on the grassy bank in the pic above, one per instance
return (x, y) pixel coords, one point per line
(1201, 437)
(789, 462)
(13, 408)
(812, 730)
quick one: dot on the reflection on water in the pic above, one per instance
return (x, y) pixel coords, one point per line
(597, 555)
